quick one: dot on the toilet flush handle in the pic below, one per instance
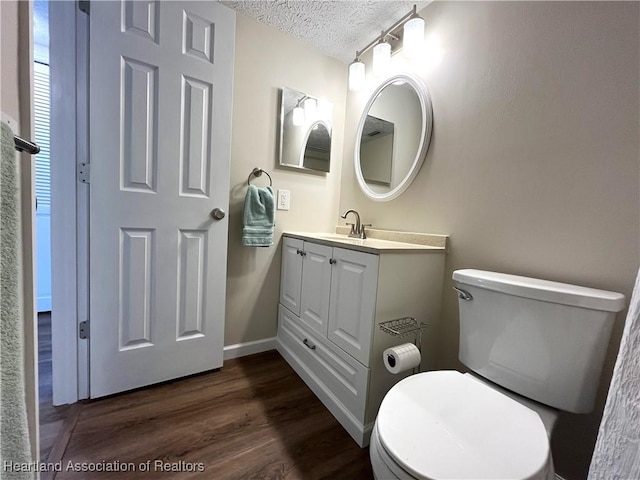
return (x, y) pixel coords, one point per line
(464, 295)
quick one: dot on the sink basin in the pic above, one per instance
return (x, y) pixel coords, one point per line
(370, 245)
(341, 238)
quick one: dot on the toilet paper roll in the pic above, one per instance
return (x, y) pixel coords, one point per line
(401, 357)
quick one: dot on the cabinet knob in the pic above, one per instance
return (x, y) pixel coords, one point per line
(308, 344)
(300, 252)
(332, 261)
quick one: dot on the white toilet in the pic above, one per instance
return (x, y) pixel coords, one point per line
(535, 347)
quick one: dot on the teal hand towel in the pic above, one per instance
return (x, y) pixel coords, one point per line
(258, 217)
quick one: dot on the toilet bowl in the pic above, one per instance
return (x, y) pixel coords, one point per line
(449, 425)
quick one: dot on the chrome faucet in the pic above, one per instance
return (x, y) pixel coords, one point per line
(357, 229)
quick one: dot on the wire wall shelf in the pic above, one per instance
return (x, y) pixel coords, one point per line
(401, 327)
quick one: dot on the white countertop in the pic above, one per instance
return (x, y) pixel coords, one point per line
(370, 245)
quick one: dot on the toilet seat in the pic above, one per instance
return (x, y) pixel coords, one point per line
(445, 424)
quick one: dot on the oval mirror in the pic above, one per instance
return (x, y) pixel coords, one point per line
(393, 137)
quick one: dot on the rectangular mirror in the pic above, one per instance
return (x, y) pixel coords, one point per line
(305, 131)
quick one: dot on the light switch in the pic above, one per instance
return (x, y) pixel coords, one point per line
(284, 199)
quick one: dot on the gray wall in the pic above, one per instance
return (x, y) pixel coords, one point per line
(267, 60)
(534, 162)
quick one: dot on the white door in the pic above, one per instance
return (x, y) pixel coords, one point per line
(354, 278)
(316, 286)
(160, 125)
(291, 274)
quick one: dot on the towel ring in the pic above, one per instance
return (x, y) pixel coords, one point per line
(257, 172)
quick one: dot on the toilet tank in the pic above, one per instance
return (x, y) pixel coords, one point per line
(544, 340)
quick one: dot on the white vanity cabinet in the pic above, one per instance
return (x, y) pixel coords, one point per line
(333, 291)
(332, 298)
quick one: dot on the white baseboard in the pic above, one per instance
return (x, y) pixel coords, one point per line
(249, 348)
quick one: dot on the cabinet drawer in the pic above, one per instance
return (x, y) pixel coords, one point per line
(343, 376)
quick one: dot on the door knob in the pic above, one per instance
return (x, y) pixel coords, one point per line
(217, 214)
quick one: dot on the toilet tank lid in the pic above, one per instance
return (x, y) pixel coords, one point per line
(543, 290)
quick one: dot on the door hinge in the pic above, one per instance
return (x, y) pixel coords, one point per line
(84, 172)
(83, 330)
(83, 6)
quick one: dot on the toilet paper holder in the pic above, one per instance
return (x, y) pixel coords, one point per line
(402, 327)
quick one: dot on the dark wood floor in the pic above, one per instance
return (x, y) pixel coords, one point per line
(253, 419)
(52, 418)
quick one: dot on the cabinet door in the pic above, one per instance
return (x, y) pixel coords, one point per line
(316, 285)
(291, 274)
(354, 278)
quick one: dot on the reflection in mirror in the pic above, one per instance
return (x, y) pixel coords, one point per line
(376, 151)
(305, 131)
(399, 107)
(317, 151)
(393, 137)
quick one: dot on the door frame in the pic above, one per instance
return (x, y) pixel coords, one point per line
(68, 28)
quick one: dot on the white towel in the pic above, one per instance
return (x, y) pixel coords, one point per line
(14, 430)
(616, 454)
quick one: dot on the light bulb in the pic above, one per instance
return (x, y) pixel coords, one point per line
(413, 37)
(298, 116)
(310, 108)
(381, 58)
(324, 108)
(356, 75)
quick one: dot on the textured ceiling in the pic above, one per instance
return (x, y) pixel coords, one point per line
(335, 27)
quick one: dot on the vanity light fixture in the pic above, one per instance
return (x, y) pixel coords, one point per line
(381, 57)
(310, 107)
(356, 74)
(297, 115)
(324, 108)
(412, 36)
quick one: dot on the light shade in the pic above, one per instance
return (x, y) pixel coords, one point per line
(413, 37)
(381, 58)
(356, 75)
(310, 108)
(298, 116)
(324, 108)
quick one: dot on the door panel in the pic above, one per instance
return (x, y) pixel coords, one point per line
(353, 297)
(192, 288)
(291, 274)
(160, 126)
(316, 286)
